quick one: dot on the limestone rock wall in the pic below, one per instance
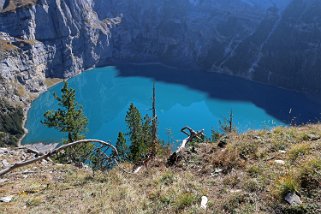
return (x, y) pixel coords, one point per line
(52, 38)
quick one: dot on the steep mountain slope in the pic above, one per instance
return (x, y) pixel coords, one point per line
(275, 42)
(51, 38)
(292, 55)
(253, 174)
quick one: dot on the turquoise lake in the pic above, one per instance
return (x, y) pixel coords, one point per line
(197, 99)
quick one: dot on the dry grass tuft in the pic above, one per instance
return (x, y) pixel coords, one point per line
(298, 150)
(52, 81)
(284, 185)
(6, 46)
(310, 174)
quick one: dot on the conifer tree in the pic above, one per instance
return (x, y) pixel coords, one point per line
(134, 123)
(122, 147)
(69, 118)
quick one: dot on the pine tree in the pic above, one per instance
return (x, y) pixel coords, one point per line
(134, 123)
(69, 118)
(121, 147)
(227, 126)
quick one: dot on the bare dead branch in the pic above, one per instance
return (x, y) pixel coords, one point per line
(53, 152)
(173, 158)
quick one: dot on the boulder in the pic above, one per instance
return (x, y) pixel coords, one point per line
(313, 137)
(5, 163)
(6, 199)
(293, 199)
(281, 162)
(204, 202)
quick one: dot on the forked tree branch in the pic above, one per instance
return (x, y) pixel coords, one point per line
(173, 158)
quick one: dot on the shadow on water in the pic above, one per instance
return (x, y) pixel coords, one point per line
(287, 106)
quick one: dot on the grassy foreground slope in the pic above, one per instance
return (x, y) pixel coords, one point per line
(252, 174)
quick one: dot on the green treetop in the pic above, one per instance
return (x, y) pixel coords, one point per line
(69, 118)
(121, 147)
(133, 120)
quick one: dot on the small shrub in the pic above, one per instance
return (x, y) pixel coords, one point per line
(233, 202)
(167, 178)
(305, 137)
(285, 185)
(165, 199)
(246, 149)
(277, 145)
(228, 159)
(231, 180)
(310, 174)
(254, 170)
(184, 200)
(298, 150)
(227, 125)
(163, 149)
(6, 46)
(34, 202)
(215, 136)
(277, 131)
(251, 185)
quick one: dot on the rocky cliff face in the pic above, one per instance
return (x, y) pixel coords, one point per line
(47, 38)
(275, 42)
(52, 38)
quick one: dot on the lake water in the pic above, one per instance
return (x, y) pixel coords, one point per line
(197, 99)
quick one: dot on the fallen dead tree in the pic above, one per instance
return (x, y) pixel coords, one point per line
(55, 151)
(175, 156)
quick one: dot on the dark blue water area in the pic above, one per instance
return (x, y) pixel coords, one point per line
(197, 99)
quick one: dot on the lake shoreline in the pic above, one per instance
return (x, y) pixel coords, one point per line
(25, 114)
(27, 108)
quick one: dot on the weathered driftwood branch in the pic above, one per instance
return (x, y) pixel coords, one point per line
(39, 148)
(183, 145)
(53, 152)
(191, 136)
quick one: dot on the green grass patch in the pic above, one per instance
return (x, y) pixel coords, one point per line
(298, 150)
(185, 200)
(285, 185)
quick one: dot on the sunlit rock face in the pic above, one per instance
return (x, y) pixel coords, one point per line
(51, 38)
